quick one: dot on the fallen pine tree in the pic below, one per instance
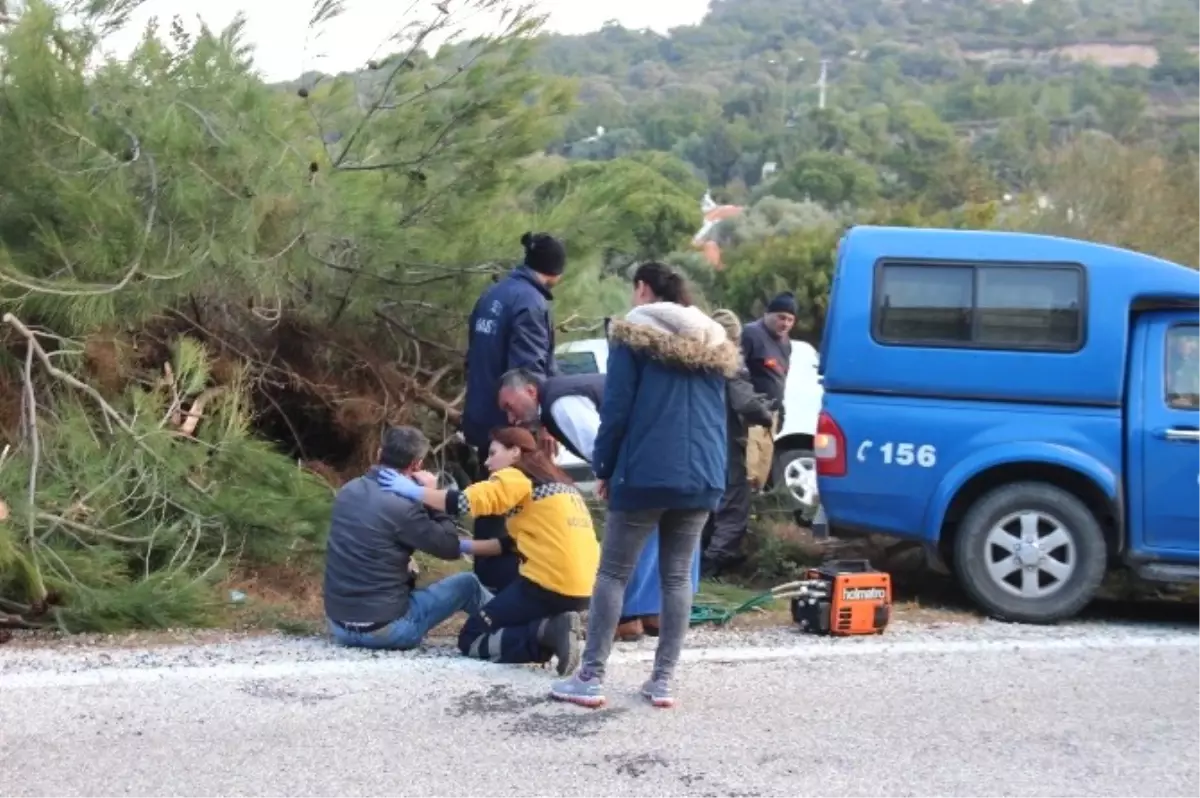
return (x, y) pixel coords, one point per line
(219, 292)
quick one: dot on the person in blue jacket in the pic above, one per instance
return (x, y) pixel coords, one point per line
(510, 327)
(660, 459)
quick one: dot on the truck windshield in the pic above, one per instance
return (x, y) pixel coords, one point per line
(1183, 367)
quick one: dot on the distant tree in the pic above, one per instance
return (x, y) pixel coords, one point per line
(1176, 64)
(800, 262)
(827, 178)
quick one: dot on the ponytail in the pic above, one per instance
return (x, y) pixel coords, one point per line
(665, 283)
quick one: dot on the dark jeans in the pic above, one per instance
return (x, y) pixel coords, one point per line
(494, 572)
(506, 629)
(726, 528)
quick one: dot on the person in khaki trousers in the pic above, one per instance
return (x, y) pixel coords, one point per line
(760, 453)
(745, 411)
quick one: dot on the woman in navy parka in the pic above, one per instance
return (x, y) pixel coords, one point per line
(660, 460)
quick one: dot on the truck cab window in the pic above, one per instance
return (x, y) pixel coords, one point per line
(1183, 368)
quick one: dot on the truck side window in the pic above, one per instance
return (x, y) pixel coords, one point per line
(993, 307)
(1029, 306)
(1183, 367)
(925, 304)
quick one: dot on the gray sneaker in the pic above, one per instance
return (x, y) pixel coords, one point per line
(658, 693)
(560, 636)
(584, 688)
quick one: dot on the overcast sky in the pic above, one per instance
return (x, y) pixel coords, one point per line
(279, 36)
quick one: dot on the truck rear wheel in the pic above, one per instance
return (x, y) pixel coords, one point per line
(1030, 552)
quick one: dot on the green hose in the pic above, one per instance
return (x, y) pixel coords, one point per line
(721, 614)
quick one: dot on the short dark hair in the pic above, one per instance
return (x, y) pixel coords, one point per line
(402, 446)
(519, 378)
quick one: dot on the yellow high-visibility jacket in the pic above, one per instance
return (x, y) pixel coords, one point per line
(549, 523)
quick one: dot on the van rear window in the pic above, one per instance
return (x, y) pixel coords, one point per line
(979, 305)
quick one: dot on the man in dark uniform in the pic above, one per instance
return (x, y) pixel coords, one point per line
(510, 327)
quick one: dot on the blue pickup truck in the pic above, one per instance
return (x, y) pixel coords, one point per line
(1025, 406)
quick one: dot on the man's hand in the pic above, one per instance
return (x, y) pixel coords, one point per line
(602, 489)
(413, 568)
(425, 479)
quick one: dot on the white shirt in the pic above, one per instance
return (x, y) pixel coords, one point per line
(579, 421)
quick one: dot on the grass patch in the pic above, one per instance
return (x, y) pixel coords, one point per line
(288, 599)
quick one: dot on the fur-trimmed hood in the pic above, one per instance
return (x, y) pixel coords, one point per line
(680, 336)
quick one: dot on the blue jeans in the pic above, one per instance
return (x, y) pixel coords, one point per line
(426, 609)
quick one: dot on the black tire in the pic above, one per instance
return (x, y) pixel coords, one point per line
(970, 544)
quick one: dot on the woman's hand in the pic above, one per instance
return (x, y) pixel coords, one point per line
(602, 489)
(400, 485)
(425, 479)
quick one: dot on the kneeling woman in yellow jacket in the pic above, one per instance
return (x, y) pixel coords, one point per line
(549, 528)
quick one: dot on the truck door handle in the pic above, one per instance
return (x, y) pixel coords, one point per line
(1181, 434)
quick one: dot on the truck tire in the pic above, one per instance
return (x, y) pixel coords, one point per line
(1030, 552)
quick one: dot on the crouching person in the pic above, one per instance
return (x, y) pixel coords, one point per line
(371, 600)
(549, 528)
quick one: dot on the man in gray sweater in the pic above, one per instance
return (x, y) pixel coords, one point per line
(767, 349)
(370, 581)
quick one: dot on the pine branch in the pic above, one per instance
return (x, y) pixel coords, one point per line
(38, 588)
(108, 410)
(147, 230)
(403, 62)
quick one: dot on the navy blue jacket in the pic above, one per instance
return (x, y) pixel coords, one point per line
(509, 328)
(662, 440)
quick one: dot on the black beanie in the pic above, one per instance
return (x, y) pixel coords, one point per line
(544, 253)
(784, 303)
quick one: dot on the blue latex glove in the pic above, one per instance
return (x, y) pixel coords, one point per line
(400, 485)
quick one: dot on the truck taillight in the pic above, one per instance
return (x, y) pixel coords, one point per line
(829, 447)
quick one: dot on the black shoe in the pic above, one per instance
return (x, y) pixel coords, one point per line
(560, 635)
(710, 569)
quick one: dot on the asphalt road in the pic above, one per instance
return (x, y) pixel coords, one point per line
(1090, 714)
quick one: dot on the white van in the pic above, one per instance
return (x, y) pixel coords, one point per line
(794, 469)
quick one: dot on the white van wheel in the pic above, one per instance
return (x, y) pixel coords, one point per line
(796, 472)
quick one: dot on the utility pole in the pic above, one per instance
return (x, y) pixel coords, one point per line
(821, 83)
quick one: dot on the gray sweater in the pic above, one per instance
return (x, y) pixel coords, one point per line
(768, 358)
(372, 537)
